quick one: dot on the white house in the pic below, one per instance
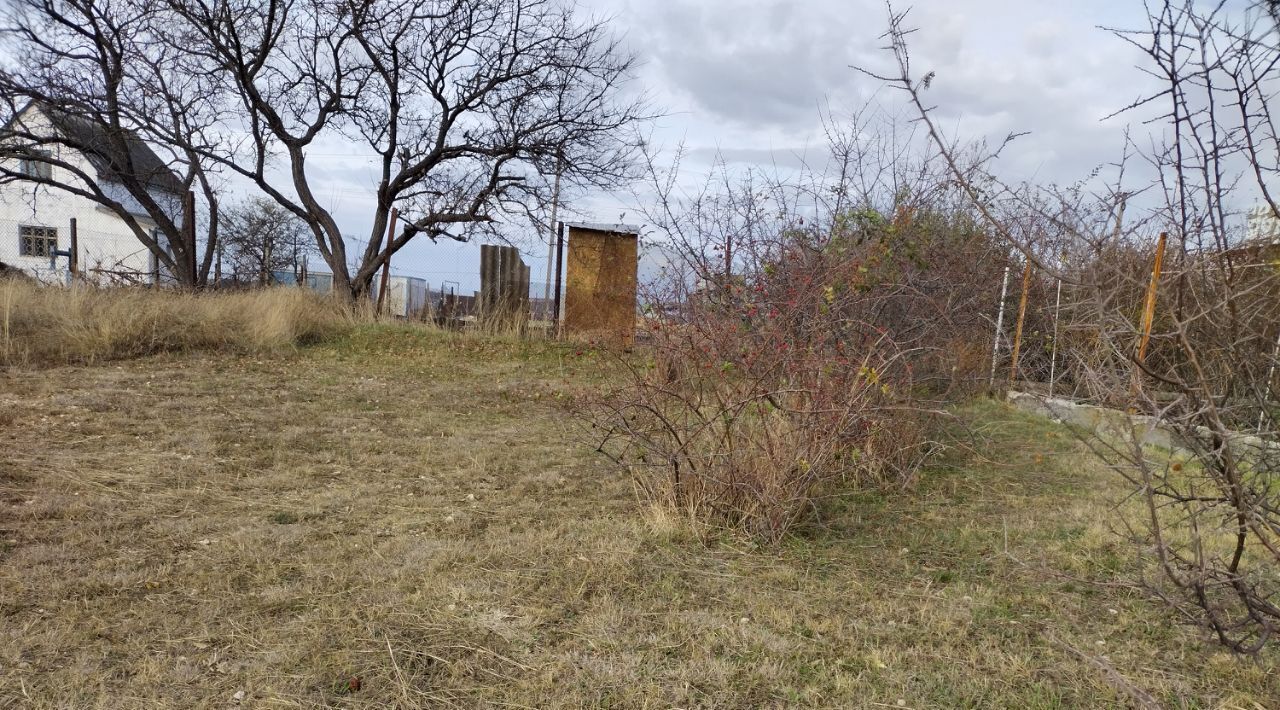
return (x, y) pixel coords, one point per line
(36, 219)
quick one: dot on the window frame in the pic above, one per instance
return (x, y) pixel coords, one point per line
(29, 235)
(35, 165)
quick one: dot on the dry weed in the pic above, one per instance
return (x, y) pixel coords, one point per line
(46, 325)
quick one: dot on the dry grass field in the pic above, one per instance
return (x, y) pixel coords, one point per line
(404, 518)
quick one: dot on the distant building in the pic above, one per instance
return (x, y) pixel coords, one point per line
(35, 219)
(406, 296)
(1262, 226)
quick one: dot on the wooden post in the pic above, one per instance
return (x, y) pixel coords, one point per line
(1022, 315)
(488, 281)
(557, 320)
(522, 296)
(386, 264)
(155, 261)
(507, 266)
(1149, 309)
(74, 247)
(264, 278)
(1148, 319)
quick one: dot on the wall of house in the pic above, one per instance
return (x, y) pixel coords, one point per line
(109, 250)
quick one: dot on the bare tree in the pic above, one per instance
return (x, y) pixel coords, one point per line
(92, 93)
(464, 104)
(259, 238)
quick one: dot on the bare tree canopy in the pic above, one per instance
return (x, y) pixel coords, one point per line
(259, 238)
(464, 105)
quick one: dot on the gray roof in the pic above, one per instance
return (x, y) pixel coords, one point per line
(602, 227)
(95, 140)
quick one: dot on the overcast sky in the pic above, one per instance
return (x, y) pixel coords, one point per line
(746, 79)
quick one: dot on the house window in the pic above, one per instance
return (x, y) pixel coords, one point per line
(37, 241)
(35, 165)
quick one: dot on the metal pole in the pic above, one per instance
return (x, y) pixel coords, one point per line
(386, 263)
(551, 236)
(74, 261)
(995, 348)
(559, 314)
(189, 214)
(1053, 353)
(1022, 316)
(1266, 391)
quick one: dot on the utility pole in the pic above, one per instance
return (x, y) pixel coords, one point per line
(551, 236)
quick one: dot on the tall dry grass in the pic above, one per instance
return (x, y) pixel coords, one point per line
(42, 325)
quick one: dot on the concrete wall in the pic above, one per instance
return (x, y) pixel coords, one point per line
(1118, 427)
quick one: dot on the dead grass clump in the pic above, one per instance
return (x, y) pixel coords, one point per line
(44, 325)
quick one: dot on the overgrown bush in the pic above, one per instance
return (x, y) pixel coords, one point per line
(1197, 362)
(42, 325)
(756, 395)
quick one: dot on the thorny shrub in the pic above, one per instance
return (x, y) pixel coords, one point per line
(1202, 455)
(756, 395)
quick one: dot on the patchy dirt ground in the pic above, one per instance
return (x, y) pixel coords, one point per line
(406, 519)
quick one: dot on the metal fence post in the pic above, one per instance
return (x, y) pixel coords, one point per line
(557, 317)
(995, 347)
(74, 247)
